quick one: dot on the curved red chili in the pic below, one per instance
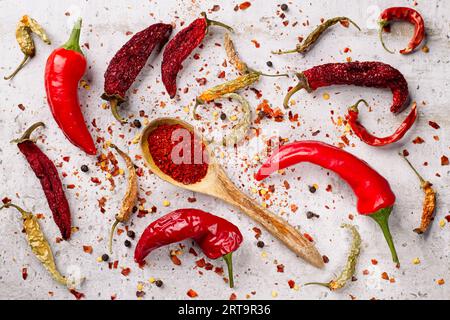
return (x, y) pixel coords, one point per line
(375, 198)
(365, 136)
(65, 67)
(404, 14)
(47, 174)
(129, 61)
(180, 47)
(363, 74)
(216, 236)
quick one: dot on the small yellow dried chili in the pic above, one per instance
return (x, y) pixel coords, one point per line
(349, 269)
(429, 203)
(38, 243)
(314, 36)
(25, 28)
(233, 57)
(130, 196)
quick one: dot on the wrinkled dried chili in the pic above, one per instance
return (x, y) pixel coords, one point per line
(362, 133)
(24, 30)
(129, 61)
(47, 174)
(177, 152)
(131, 194)
(429, 202)
(312, 38)
(350, 267)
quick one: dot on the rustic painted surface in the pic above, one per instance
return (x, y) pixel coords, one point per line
(107, 25)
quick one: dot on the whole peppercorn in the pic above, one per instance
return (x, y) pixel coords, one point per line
(269, 63)
(223, 116)
(158, 283)
(127, 243)
(137, 123)
(312, 189)
(105, 257)
(284, 7)
(84, 168)
(260, 244)
(131, 234)
(311, 215)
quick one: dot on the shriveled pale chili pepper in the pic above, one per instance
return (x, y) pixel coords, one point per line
(233, 56)
(25, 28)
(312, 38)
(349, 269)
(429, 203)
(362, 133)
(38, 243)
(130, 196)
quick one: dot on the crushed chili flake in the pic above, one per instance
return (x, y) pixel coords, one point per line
(191, 293)
(191, 199)
(193, 252)
(24, 273)
(125, 271)
(21, 107)
(447, 218)
(434, 125)
(441, 282)
(294, 207)
(221, 75)
(444, 161)
(6, 200)
(256, 43)
(365, 272)
(244, 5)
(418, 140)
(200, 263)
(175, 259)
(201, 81)
(291, 284)
(307, 236)
(87, 249)
(325, 259)
(280, 268)
(233, 296)
(384, 276)
(257, 232)
(374, 261)
(78, 295)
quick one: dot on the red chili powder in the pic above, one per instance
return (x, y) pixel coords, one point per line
(176, 153)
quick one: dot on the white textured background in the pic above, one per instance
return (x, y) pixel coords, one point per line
(106, 24)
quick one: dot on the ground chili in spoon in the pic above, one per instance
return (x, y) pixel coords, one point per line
(178, 153)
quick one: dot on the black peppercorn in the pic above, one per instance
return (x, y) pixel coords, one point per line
(105, 257)
(223, 116)
(312, 189)
(311, 215)
(284, 7)
(158, 283)
(137, 123)
(260, 244)
(131, 234)
(127, 243)
(269, 63)
(84, 168)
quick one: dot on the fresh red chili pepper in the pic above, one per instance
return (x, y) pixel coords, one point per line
(65, 67)
(188, 162)
(216, 236)
(370, 139)
(404, 14)
(180, 47)
(47, 174)
(362, 74)
(375, 198)
(129, 61)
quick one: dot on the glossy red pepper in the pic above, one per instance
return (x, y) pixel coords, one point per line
(404, 14)
(180, 47)
(65, 67)
(375, 198)
(363, 74)
(361, 132)
(216, 236)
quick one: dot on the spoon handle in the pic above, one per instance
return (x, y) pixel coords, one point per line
(278, 227)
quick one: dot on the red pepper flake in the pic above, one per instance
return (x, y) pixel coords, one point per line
(329, 188)
(87, 249)
(365, 272)
(115, 264)
(286, 185)
(434, 125)
(128, 33)
(66, 159)
(125, 271)
(307, 236)
(215, 8)
(347, 49)
(418, 140)
(444, 161)
(325, 259)
(175, 259)
(384, 276)
(280, 268)
(218, 270)
(256, 43)
(345, 23)
(374, 262)
(447, 218)
(244, 5)
(291, 284)
(70, 186)
(294, 207)
(24, 273)
(191, 293)
(209, 266)
(233, 296)
(257, 232)
(441, 282)
(78, 295)
(200, 263)
(191, 199)
(201, 81)
(6, 200)
(95, 180)
(193, 252)
(405, 153)
(221, 75)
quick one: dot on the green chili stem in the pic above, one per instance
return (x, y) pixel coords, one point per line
(114, 109)
(355, 106)
(302, 84)
(323, 284)
(422, 180)
(274, 75)
(283, 52)
(216, 23)
(380, 35)
(9, 204)
(21, 65)
(111, 235)
(382, 218)
(74, 41)
(26, 135)
(229, 261)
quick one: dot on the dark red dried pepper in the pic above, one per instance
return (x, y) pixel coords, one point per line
(180, 47)
(47, 174)
(375, 198)
(365, 136)
(404, 14)
(216, 236)
(363, 74)
(129, 61)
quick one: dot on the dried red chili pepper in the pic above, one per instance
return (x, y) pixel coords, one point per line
(65, 67)
(167, 144)
(129, 61)
(404, 14)
(47, 174)
(179, 48)
(363, 74)
(374, 194)
(370, 139)
(216, 236)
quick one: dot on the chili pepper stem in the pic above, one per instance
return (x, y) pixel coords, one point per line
(380, 35)
(114, 109)
(111, 235)
(422, 180)
(26, 135)
(21, 65)
(381, 217)
(9, 204)
(74, 40)
(274, 75)
(228, 259)
(323, 284)
(302, 84)
(286, 51)
(216, 23)
(355, 106)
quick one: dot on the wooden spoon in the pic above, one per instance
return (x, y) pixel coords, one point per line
(217, 184)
